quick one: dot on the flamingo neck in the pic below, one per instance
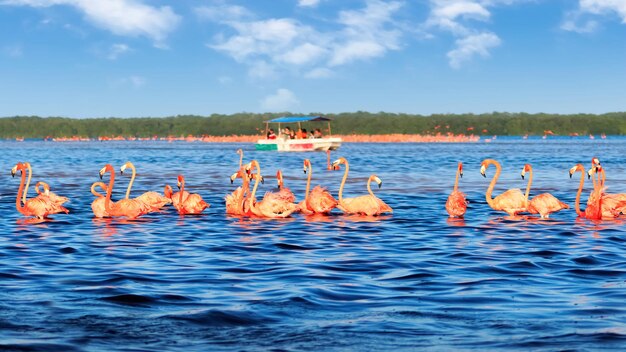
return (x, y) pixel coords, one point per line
(132, 179)
(369, 186)
(30, 176)
(182, 190)
(18, 203)
(252, 196)
(530, 181)
(328, 160)
(343, 180)
(580, 191)
(93, 189)
(107, 201)
(456, 180)
(493, 181)
(308, 183)
(240, 152)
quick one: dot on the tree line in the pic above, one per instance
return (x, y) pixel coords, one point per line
(496, 123)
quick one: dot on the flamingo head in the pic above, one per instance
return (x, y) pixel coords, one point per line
(15, 168)
(483, 169)
(525, 169)
(378, 181)
(338, 162)
(168, 191)
(240, 151)
(573, 170)
(307, 164)
(180, 181)
(460, 168)
(595, 161)
(106, 169)
(233, 177)
(123, 168)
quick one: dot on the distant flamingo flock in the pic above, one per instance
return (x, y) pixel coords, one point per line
(243, 201)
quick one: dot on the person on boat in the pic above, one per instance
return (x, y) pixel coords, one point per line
(287, 133)
(317, 133)
(302, 134)
(311, 135)
(270, 134)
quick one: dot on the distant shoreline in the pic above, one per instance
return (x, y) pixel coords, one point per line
(245, 125)
(346, 138)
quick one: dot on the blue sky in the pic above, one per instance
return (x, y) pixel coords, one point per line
(126, 58)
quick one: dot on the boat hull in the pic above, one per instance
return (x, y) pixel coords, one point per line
(299, 145)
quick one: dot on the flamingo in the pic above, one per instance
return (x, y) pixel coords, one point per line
(596, 209)
(268, 207)
(330, 167)
(456, 205)
(192, 203)
(175, 197)
(319, 200)
(46, 192)
(512, 201)
(151, 198)
(543, 204)
(283, 193)
(366, 205)
(39, 207)
(610, 204)
(97, 206)
(130, 208)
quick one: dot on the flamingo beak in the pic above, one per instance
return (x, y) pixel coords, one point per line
(304, 169)
(102, 171)
(178, 184)
(336, 163)
(461, 174)
(482, 170)
(13, 171)
(262, 179)
(589, 173)
(378, 181)
(232, 178)
(122, 169)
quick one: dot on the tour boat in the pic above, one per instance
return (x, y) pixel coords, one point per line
(284, 144)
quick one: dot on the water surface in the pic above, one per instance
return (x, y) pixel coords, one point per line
(414, 280)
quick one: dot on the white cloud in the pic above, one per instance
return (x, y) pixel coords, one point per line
(472, 45)
(285, 44)
(601, 7)
(116, 50)
(578, 20)
(460, 18)
(282, 100)
(310, 3)
(121, 17)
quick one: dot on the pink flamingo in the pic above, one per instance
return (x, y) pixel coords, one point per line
(366, 205)
(97, 206)
(610, 204)
(192, 204)
(456, 205)
(319, 200)
(151, 198)
(130, 208)
(268, 207)
(512, 201)
(283, 193)
(46, 192)
(596, 209)
(543, 204)
(39, 207)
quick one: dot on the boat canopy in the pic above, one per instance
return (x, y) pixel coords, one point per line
(288, 119)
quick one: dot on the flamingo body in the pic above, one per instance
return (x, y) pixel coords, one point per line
(456, 205)
(545, 204)
(154, 199)
(192, 204)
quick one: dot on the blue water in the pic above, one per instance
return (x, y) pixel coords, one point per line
(413, 280)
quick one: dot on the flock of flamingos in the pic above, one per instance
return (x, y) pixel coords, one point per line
(242, 201)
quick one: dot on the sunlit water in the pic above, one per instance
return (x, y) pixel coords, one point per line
(412, 280)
